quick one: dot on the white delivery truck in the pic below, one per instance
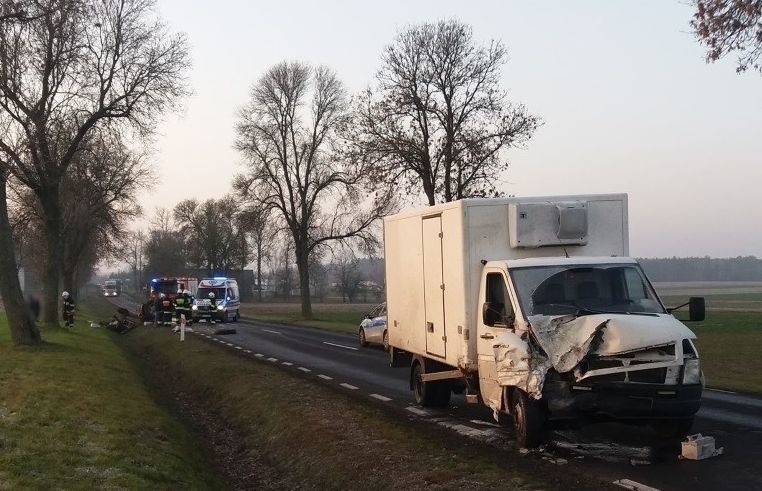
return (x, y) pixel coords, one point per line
(533, 307)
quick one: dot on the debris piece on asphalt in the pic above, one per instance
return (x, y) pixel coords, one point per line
(634, 462)
(699, 447)
(224, 330)
(633, 485)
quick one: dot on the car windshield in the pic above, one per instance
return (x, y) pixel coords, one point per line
(203, 292)
(594, 288)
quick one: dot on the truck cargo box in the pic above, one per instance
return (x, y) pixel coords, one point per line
(434, 260)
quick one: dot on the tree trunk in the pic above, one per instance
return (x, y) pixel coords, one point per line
(22, 327)
(259, 271)
(302, 264)
(51, 207)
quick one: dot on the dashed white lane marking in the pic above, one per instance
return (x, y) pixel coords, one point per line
(348, 386)
(259, 355)
(272, 359)
(725, 391)
(274, 332)
(325, 377)
(229, 344)
(305, 370)
(287, 363)
(419, 412)
(238, 347)
(633, 485)
(380, 397)
(247, 351)
(340, 346)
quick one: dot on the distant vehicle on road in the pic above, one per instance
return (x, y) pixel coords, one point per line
(226, 296)
(112, 288)
(373, 328)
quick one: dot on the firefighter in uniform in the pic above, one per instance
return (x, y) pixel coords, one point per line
(166, 310)
(68, 309)
(182, 305)
(212, 307)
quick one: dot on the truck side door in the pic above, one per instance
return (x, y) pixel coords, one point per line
(496, 316)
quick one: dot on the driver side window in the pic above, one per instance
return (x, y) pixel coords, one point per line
(497, 296)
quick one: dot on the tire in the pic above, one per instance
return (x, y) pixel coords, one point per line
(528, 419)
(361, 338)
(236, 317)
(429, 394)
(386, 341)
(672, 428)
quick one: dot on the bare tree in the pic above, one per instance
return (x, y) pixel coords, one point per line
(287, 133)
(165, 246)
(134, 255)
(348, 275)
(726, 26)
(74, 68)
(214, 233)
(438, 121)
(262, 230)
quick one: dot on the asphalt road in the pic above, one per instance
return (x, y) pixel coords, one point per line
(611, 451)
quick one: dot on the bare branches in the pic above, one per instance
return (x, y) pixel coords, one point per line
(726, 26)
(288, 135)
(438, 122)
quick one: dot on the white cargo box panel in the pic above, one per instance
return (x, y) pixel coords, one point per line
(433, 260)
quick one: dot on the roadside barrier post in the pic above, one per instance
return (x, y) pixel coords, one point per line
(182, 327)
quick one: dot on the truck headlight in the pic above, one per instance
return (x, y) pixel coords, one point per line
(194, 307)
(220, 307)
(692, 371)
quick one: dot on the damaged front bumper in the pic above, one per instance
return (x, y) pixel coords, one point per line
(620, 400)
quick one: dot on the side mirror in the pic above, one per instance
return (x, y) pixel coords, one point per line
(696, 309)
(490, 315)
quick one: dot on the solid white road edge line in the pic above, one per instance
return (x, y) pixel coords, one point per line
(380, 397)
(341, 346)
(721, 390)
(325, 377)
(348, 386)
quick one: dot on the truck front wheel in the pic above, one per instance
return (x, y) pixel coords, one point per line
(528, 419)
(429, 394)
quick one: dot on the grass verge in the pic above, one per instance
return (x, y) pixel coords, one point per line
(730, 344)
(74, 414)
(288, 432)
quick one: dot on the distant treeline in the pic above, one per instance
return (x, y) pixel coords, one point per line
(747, 268)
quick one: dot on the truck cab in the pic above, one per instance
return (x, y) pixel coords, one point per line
(569, 339)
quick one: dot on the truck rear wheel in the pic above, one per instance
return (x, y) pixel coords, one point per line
(528, 419)
(429, 394)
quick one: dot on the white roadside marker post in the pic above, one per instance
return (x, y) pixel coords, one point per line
(182, 327)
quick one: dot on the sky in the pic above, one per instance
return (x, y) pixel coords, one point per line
(628, 104)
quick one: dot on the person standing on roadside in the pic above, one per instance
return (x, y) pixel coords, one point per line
(68, 309)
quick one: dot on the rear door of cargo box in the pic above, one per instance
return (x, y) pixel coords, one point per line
(436, 338)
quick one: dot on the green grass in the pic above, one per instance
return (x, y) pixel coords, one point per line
(302, 435)
(730, 345)
(344, 321)
(75, 414)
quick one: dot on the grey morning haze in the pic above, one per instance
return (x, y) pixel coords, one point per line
(628, 102)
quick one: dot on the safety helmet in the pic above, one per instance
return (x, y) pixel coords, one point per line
(179, 291)
(161, 295)
(65, 294)
(187, 292)
(211, 294)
